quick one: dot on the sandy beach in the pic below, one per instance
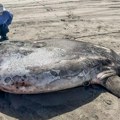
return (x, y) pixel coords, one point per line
(95, 21)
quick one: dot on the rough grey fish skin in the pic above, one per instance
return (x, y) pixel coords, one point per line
(52, 65)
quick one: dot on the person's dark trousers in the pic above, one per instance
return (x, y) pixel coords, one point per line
(3, 31)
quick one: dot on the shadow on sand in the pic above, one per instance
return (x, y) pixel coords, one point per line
(46, 106)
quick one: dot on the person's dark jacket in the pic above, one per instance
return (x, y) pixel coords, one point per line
(6, 18)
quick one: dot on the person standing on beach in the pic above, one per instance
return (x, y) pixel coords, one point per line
(6, 18)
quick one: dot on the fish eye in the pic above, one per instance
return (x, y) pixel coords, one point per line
(86, 83)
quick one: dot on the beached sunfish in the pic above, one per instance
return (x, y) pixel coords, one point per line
(52, 65)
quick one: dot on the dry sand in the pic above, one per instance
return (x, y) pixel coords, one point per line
(96, 21)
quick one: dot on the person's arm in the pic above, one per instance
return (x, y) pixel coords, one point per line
(10, 17)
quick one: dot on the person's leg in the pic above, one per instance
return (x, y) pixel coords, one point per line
(0, 30)
(4, 31)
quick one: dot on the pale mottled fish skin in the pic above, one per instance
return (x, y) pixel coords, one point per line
(51, 65)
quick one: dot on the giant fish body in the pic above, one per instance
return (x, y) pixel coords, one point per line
(52, 65)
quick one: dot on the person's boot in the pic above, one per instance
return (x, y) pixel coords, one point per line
(3, 38)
